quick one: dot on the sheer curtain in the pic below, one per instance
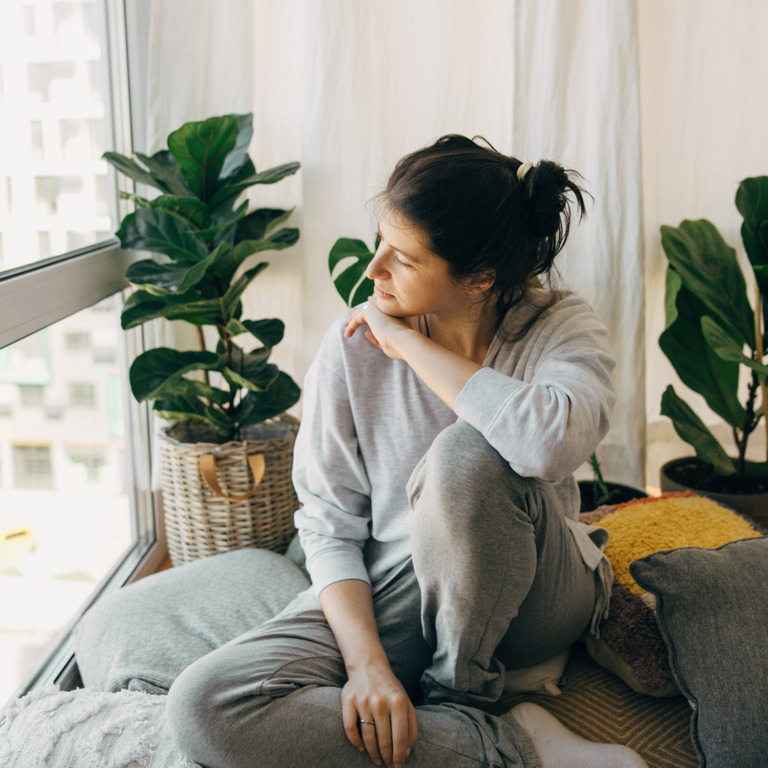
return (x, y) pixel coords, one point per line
(704, 111)
(645, 100)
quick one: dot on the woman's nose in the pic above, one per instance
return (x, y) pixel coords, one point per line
(377, 266)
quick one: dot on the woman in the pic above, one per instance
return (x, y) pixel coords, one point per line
(442, 422)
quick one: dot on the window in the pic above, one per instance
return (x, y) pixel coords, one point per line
(82, 394)
(74, 457)
(31, 395)
(58, 119)
(32, 467)
(77, 341)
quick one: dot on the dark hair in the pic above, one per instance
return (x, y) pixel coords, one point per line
(467, 198)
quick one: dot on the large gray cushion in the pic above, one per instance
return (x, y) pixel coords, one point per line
(712, 610)
(143, 636)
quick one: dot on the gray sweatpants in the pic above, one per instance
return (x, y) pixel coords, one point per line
(496, 580)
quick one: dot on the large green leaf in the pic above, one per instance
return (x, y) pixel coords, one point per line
(256, 376)
(228, 265)
(727, 348)
(269, 331)
(178, 408)
(134, 171)
(256, 407)
(158, 368)
(752, 204)
(350, 282)
(164, 168)
(257, 223)
(708, 267)
(157, 278)
(148, 229)
(231, 298)
(693, 430)
(761, 278)
(224, 224)
(695, 362)
(242, 181)
(234, 161)
(142, 306)
(190, 208)
(200, 149)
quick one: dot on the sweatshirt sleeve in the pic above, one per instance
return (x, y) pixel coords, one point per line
(329, 477)
(546, 418)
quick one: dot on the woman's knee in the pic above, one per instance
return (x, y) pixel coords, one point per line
(462, 468)
(193, 710)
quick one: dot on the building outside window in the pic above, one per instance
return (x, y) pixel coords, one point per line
(76, 509)
(32, 466)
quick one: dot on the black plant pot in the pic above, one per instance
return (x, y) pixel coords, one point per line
(617, 494)
(691, 474)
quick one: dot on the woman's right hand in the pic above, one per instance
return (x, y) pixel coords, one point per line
(374, 695)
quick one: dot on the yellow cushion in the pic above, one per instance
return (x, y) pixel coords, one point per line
(668, 522)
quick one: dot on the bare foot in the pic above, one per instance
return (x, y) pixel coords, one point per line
(557, 747)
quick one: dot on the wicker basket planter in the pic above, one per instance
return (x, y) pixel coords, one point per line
(223, 496)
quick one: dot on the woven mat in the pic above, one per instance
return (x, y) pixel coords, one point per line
(599, 706)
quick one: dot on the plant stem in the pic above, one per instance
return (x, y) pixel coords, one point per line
(600, 489)
(750, 422)
(759, 352)
(201, 344)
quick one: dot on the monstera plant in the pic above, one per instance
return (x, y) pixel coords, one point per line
(715, 338)
(199, 236)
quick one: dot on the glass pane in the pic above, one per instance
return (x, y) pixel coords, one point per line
(54, 103)
(65, 517)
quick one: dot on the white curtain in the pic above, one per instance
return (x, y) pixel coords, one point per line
(348, 86)
(704, 110)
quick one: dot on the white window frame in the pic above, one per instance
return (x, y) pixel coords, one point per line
(45, 292)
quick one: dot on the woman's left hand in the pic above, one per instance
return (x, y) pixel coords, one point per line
(383, 330)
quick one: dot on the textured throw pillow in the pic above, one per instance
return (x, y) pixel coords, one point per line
(143, 636)
(712, 609)
(50, 728)
(630, 644)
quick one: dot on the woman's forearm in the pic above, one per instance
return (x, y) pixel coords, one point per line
(445, 372)
(348, 608)
(377, 714)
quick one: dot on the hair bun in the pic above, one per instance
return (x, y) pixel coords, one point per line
(546, 187)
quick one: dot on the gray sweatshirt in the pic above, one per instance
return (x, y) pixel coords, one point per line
(543, 402)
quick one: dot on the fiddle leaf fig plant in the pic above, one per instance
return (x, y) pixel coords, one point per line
(199, 238)
(714, 335)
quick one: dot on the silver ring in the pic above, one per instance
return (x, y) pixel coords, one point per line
(369, 722)
(365, 305)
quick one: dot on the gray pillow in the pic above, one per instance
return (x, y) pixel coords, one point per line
(712, 610)
(143, 636)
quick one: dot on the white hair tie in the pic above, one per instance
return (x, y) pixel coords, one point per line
(522, 171)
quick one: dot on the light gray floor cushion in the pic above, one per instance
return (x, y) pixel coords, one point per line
(143, 636)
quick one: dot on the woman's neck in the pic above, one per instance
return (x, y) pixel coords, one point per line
(468, 334)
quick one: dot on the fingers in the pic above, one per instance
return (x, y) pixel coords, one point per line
(355, 318)
(349, 718)
(401, 736)
(375, 737)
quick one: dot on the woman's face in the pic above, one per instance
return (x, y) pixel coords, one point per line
(409, 279)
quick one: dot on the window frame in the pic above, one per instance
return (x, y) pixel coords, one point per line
(37, 295)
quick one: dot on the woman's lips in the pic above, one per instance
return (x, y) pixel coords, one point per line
(380, 294)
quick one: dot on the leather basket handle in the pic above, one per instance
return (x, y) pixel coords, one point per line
(207, 464)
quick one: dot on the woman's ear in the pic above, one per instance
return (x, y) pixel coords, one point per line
(482, 283)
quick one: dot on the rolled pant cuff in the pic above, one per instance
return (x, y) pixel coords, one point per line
(528, 755)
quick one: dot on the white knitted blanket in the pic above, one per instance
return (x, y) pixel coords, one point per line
(51, 728)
